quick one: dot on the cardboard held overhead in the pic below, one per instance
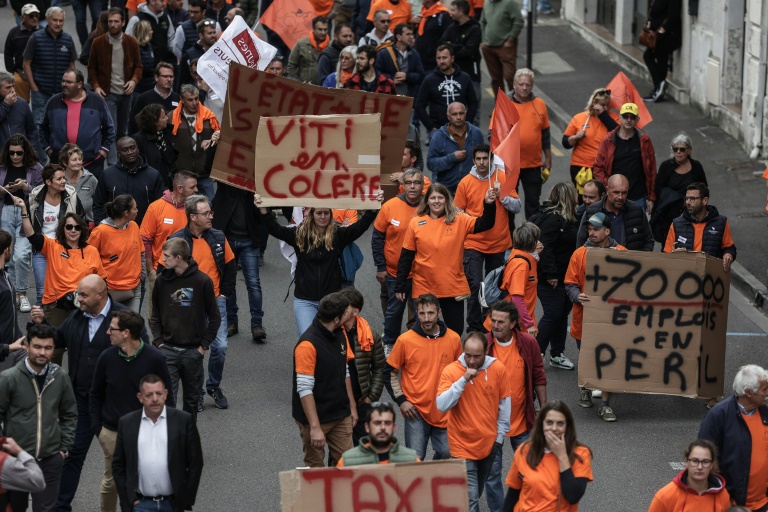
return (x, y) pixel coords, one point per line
(655, 323)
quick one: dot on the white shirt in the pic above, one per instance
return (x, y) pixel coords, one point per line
(154, 478)
(50, 219)
(94, 322)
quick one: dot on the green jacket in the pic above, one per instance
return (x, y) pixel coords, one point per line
(364, 454)
(41, 422)
(370, 367)
(302, 63)
(501, 20)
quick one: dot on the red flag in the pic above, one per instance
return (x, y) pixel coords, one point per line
(623, 91)
(509, 152)
(291, 19)
(504, 115)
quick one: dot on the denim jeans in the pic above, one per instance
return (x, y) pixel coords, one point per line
(218, 349)
(393, 319)
(418, 433)
(477, 475)
(553, 325)
(494, 484)
(643, 202)
(248, 257)
(205, 187)
(473, 269)
(304, 312)
(81, 20)
(39, 264)
(18, 269)
(73, 465)
(150, 505)
(39, 99)
(120, 109)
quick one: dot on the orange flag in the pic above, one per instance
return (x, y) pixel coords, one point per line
(509, 152)
(504, 115)
(623, 91)
(291, 19)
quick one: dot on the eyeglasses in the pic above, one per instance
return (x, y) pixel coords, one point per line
(629, 117)
(110, 328)
(412, 183)
(208, 214)
(15, 153)
(679, 150)
(692, 199)
(70, 227)
(705, 463)
(208, 23)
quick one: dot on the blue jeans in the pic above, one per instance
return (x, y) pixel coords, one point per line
(248, 257)
(494, 485)
(205, 187)
(393, 318)
(81, 20)
(120, 109)
(218, 349)
(148, 505)
(39, 264)
(418, 433)
(478, 472)
(39, 99)
(73, 465)
(18, 268)
(304, 312)
(553, 325)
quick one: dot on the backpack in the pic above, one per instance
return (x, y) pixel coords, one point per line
(490, 289)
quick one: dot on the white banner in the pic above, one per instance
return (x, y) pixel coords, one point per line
(239, 44)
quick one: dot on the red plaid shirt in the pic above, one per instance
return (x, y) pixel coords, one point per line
(384, 85)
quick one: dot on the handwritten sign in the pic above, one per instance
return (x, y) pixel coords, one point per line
(309, 160)
(655, 323)
(253, 94)
(435, 486)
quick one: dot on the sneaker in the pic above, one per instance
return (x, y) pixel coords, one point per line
(24, 305)
(585, 398)
(232, 330)
(596, 393)
(259, 334)
(218, 398)
(561, 362)
(606, 413)
(659, 96)
(200, 402)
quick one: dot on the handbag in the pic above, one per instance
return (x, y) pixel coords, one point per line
(648, 38)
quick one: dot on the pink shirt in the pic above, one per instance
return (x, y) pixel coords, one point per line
(73, 119)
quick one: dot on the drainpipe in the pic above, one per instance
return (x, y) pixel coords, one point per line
(762, 71)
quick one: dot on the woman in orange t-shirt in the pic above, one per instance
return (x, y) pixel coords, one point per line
(433, 248)
(520, 278)
(119, 243)
(585, 132)
(551, 470)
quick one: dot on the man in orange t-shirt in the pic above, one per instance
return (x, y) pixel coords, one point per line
(487, 248)
(474, 391)
(415, 365)
(215, 258)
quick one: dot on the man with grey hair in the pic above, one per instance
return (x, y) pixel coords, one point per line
(739, 428)
(49, 53)
(215, 258)
(380, 32)
(15, 116)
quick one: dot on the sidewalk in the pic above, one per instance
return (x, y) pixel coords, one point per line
(735, 182)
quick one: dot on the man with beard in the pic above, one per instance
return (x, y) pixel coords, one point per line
(366, 78)
(326, 62)
(380, 446)
(475, 389)
(206, 31)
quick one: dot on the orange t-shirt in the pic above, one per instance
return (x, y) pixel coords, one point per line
(438, 267)
(341, 215)
(393, 220)
(470, 197)
(305, 357)
(577, 269)
(698, 236)
(161, 221)
(758, 466)
(120, 251)
(514, 365)
(672, 498)
(427, 183)
(67, 267)
(201, 251)
(398, 13)
(421, 361)
(540, 487)
(585, 150)
(473, 421)
(520, 279)
(533, 118)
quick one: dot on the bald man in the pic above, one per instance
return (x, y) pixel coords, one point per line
(629, 224)
(84, 336)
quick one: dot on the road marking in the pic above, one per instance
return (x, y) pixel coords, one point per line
(677, 466)
(556, 151)
(748, 334)
(489, 91)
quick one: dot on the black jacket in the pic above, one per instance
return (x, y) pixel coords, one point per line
(465, 40)
(437, 91)
(670, 202)
(216, 241)
(164, 160)
(144, 183)
(637, 231)
(185, 458)
(327, 60)
(559, 239)
(224, 202)
(427, 43)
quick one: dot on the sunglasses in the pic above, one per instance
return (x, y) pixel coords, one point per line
(208, 23)
(601, 92)
(15, 153)
(70, 227)
(679, 150)
(629, 117)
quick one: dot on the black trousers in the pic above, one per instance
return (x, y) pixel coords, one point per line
(453, 313)
(44, 500)
(530, 179)
(657, 60)
(185, 365)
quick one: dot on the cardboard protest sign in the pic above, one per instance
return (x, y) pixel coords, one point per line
(253, 94)
(237, 44)
(655, 323)
(435, 486)
(309, 160)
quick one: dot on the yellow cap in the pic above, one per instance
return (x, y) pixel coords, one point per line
(629, 108)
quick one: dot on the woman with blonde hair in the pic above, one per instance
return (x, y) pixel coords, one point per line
(345, 68)
(584, 133)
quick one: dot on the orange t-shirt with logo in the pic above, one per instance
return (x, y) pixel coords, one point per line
(421, 361)
(202, 254)
(398, 13)
(67, 267)
(393, 220)
(514, 365)
(585, 150)
(698, 237)
(473, 421)
(161, 221)
(120, 251)
(470, 197)
(540, 487)
(534, 119)
(438, 267)
(758, 466)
